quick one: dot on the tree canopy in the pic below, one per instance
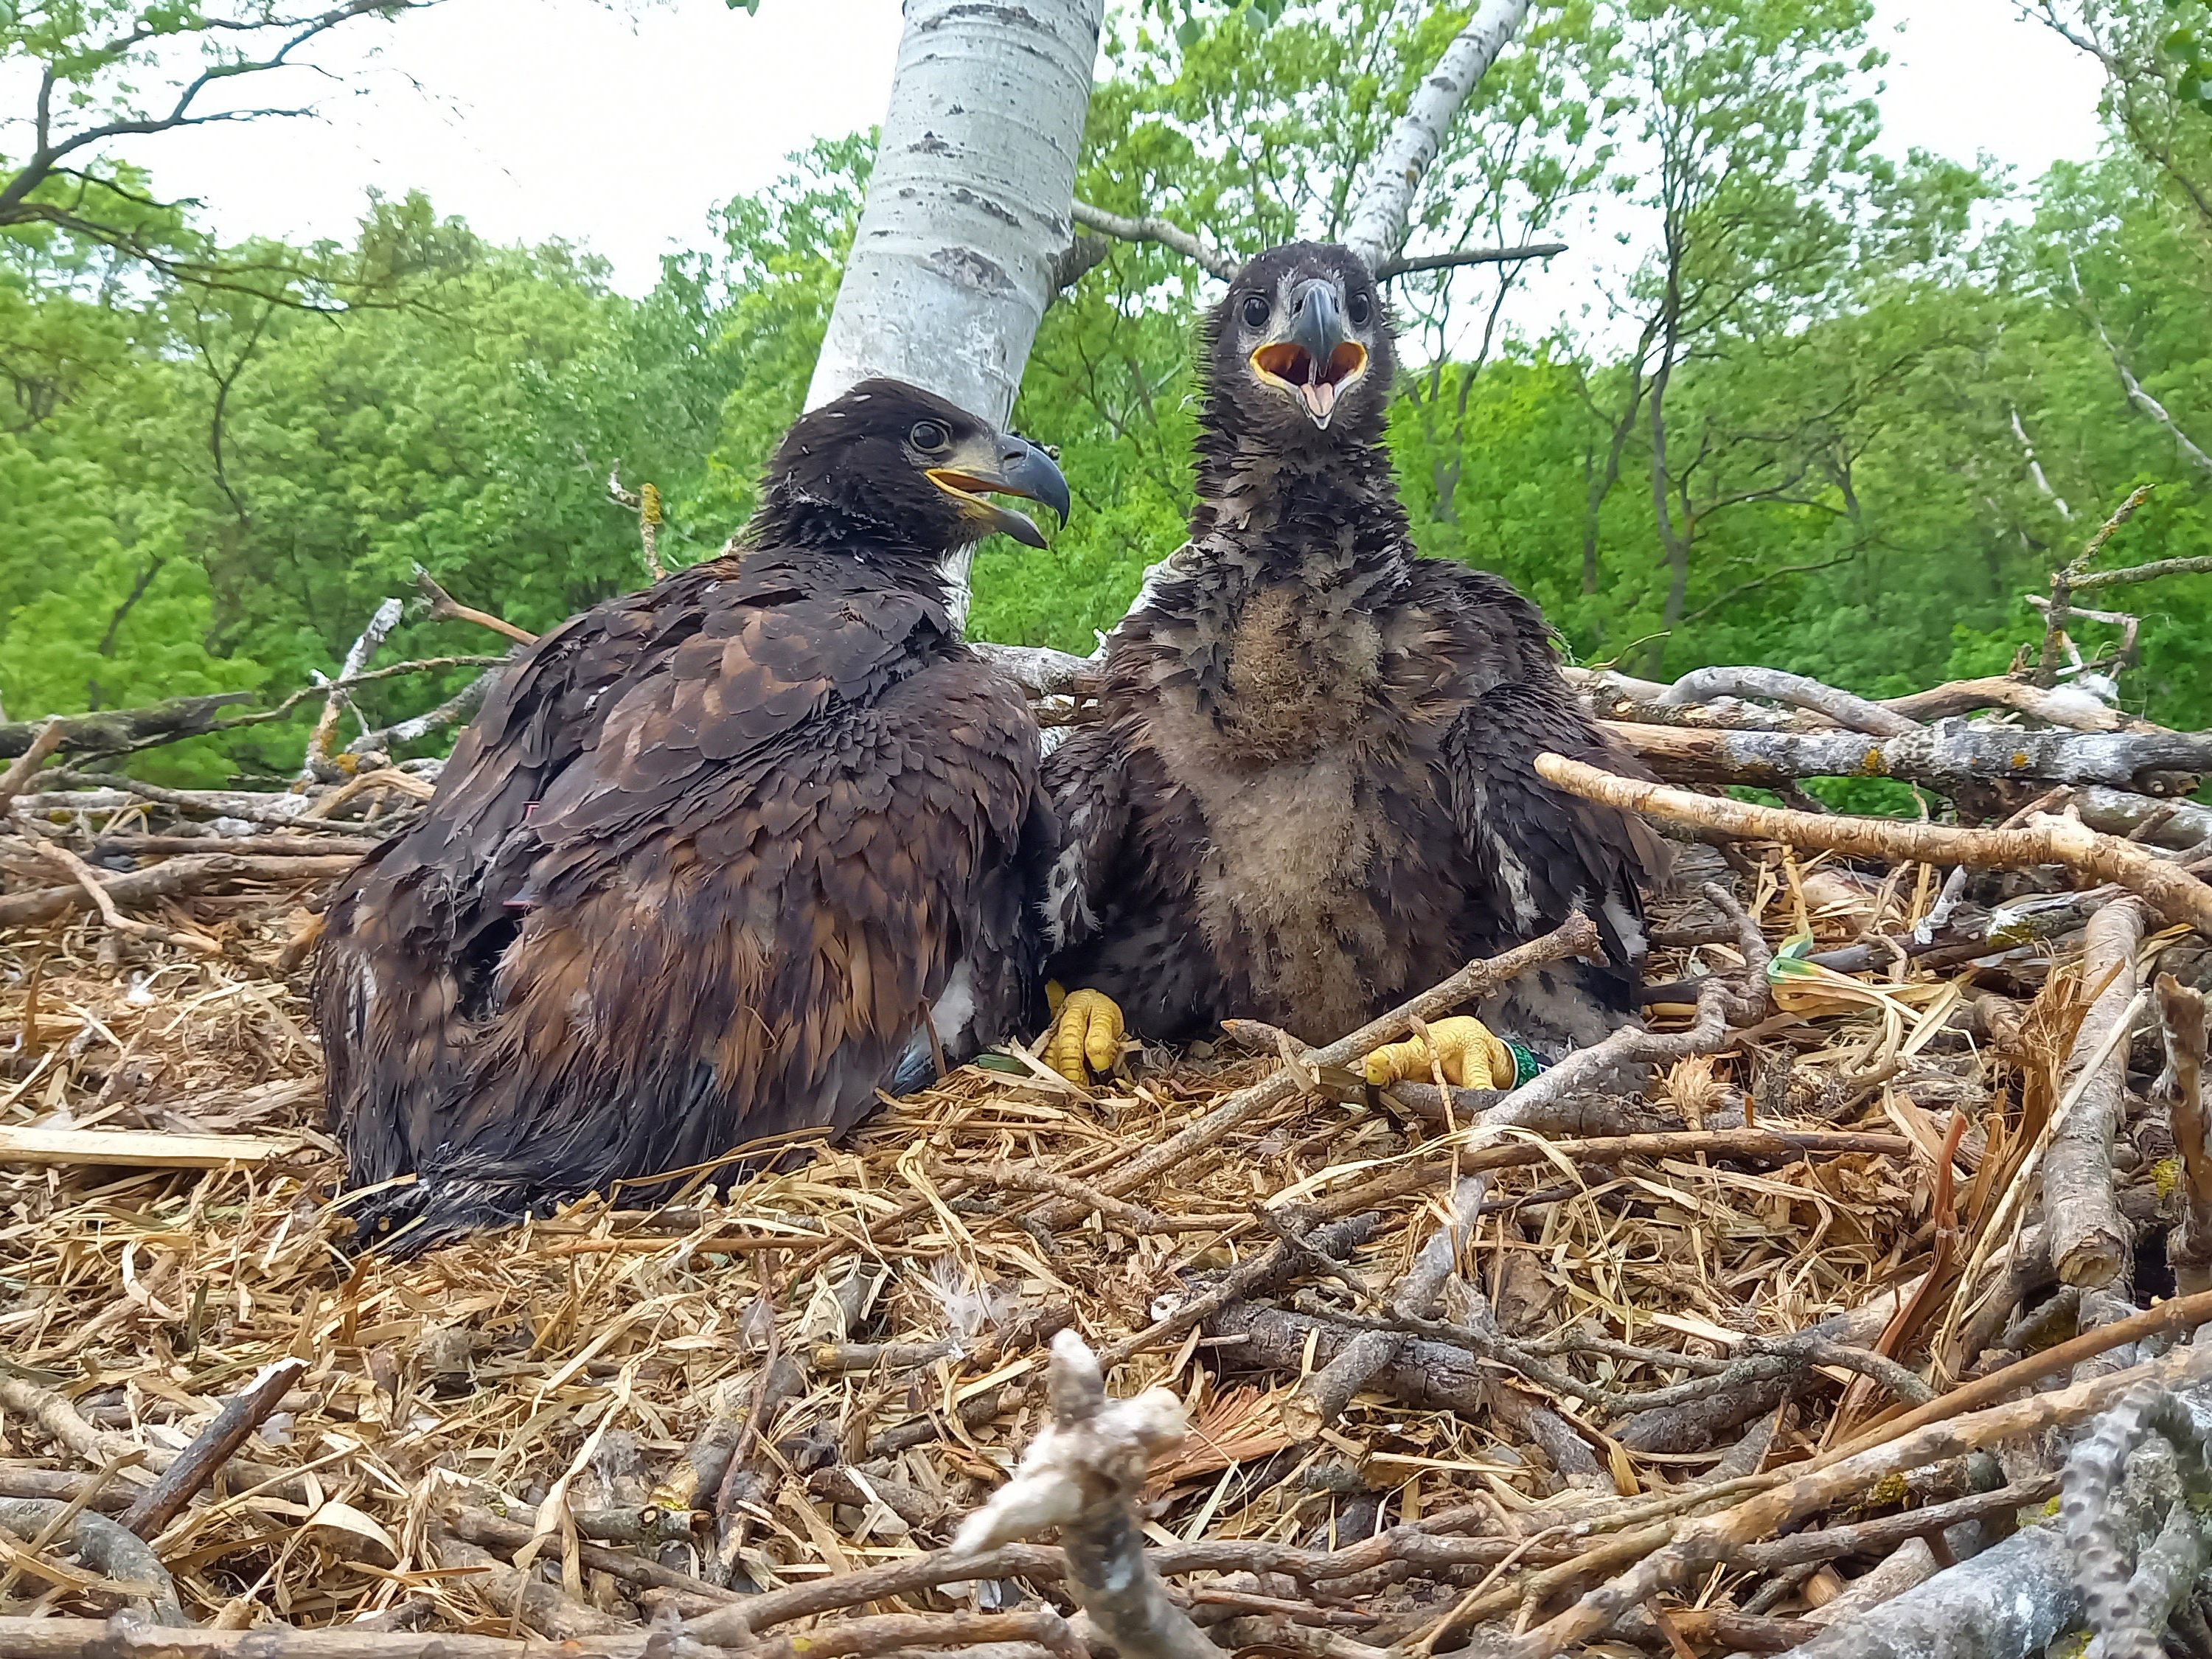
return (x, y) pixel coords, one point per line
(1830, 410)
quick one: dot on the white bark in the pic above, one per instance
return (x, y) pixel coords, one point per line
(1379, 229)
(969, 203)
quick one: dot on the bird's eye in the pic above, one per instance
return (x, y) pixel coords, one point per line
(928, 437)
(1256, 310)
(1360, 308)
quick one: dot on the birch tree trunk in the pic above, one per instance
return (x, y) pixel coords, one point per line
(970, 203)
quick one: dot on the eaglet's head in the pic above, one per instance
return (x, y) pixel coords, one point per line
(1299, 346)
(901, 464)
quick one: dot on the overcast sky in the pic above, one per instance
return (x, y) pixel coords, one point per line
(620, 128)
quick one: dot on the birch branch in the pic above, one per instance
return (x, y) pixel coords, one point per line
(380, 625)
(1378, 228)
(1855, 713)
(1213, 261)
(1944, 757)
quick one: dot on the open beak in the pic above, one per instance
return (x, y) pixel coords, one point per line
(1005, 464)
(1318, 358)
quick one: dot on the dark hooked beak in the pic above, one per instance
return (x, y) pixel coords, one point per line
(1007, 465)
(1318, 358)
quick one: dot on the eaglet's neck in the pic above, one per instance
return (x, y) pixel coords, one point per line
(843, 551)
(1302, 513)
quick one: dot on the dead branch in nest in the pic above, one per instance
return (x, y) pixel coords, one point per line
(1134, 1216)
(2089, 1241)
(2182, 1024)
(444, 607)
(115, 730)
(177, 877)
(1083, 1474)
(2059, 705)
(1039, 671)
(1747, 1146)
(1854, 713)
(522, 1594)
(459, 706)
(113, 1551)
(263, 809)
(2174, 895)
(125, 1638)
(1291, 1253)
(1835, 1477)
(17, 777)
(483, 1527)
(103, 899)
(1947, 758)
(213, 1447)
(1320, 1398)
(1578, 936)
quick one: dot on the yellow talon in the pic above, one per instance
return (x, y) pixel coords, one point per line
(1086, 1029)
(1472, 1057)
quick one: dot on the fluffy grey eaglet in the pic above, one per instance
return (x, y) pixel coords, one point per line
(1311, 795)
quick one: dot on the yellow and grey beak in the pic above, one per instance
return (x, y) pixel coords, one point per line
(1317, 358)
(1008, 465)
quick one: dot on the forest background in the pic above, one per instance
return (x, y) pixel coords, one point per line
(1838, 414)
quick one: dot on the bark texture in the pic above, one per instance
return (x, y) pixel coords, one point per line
(1379, 229)
(968, 207)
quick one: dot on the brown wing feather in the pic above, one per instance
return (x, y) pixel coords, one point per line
(779, 831)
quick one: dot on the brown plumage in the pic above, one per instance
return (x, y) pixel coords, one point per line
(709, 859)
(1311, 795)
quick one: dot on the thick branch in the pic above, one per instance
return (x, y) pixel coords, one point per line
(2089, 1240)
(1943, 757)
(2176, 896)
(1855, 713)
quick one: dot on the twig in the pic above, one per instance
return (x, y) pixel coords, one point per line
(444, 607)
(197, 1464)
(104, 899)
(2176, 897)
(1577, 936)
(21, 770)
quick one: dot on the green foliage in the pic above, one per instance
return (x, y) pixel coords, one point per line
(1878, 426)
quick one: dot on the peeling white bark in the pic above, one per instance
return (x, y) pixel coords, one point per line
(968, 204)
(1379, 229)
